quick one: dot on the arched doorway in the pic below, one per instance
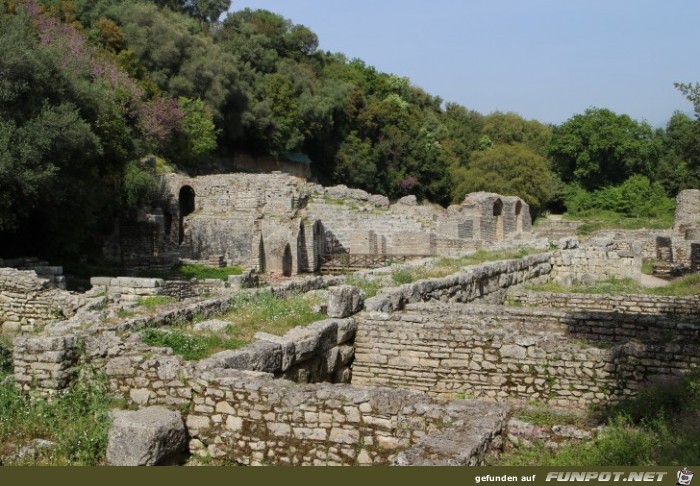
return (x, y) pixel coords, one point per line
(287, 261)
(519, 217)
(498, 214)
(186, 206)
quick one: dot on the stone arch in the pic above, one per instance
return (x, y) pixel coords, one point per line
(287, 261)
(498, 216)
(519, 217)
(186, 205)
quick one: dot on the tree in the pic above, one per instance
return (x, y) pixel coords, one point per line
(600, 148)
(511, 170)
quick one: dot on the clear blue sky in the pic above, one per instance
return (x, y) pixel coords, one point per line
(543, 59)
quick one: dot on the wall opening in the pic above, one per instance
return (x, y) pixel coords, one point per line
(186, 206)
(261, 256)
(287, 261)
(319, 236)
(519, 217)
(303, 263)
(498, 214)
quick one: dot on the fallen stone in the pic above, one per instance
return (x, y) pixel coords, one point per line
(344, 301)
(213, 325)
(148, 437)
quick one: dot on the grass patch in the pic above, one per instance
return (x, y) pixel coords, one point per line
(153, 301)
(369, 286)
(250, 313)
(264, 312)
(199, 272)
(5, 356)
(190, 346)
(76, 422)
(648, 267)
(597, 220)
(657, 427)
(682, 287)
(542, 415)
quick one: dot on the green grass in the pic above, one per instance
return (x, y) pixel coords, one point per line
(199, 272)
(606, 220)
(76, 421)
(250, 313)
(648, 267)
(190, 346)
(541, 414)
(264, 312)
(369, 286)
(682, 287)
(657, 427)
(448, 266)
(5, 355)
(153, 301)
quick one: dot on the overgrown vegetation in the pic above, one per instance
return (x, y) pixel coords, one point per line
(369, 286)
(189, 346)
(93, 89)
(657, 427)
(5, 356)
(685, 286)
(153, 301)
(251, 312)
(199, 272)
(75, 422)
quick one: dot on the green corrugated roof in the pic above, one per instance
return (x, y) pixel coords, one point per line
(298, 158)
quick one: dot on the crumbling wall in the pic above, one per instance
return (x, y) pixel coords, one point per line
(29, 302)
(592, 264)
(687, 211)
(506, 353)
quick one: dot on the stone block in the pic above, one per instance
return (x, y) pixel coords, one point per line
(344, 301)
(148, 437)
(213, 325)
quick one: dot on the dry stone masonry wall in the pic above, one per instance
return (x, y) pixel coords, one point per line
(505, 353)
(28, 302)
(686, 309)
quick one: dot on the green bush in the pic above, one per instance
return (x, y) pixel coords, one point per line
(636, 197)
(153, 301)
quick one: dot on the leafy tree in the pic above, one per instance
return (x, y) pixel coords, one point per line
(600, 148)
(512, 170)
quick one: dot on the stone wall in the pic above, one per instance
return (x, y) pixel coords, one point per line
(487, 281)
(592, 264)
(255, 420)
(503, 353)
(686, 309)
(29, 302)
(687, 211)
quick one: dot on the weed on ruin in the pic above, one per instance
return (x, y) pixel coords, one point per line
(190, 347)
(198, 272)
(657, 427)
(251, 312)
(682, 287)
(153, 301)
(68, 429)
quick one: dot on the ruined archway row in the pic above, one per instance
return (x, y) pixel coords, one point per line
(282, 224)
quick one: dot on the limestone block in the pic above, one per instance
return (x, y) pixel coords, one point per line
(214, 325)
(344, 301)
(147, 437)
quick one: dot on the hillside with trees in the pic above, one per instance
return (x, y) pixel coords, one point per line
(88, 89)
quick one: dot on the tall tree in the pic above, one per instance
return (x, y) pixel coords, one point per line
(600, 148)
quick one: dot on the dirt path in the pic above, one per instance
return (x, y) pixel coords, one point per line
(652, 282)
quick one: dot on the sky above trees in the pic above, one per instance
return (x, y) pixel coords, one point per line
(544, 59)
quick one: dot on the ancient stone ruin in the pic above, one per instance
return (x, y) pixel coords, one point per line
(277, 223)
(424, 373)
